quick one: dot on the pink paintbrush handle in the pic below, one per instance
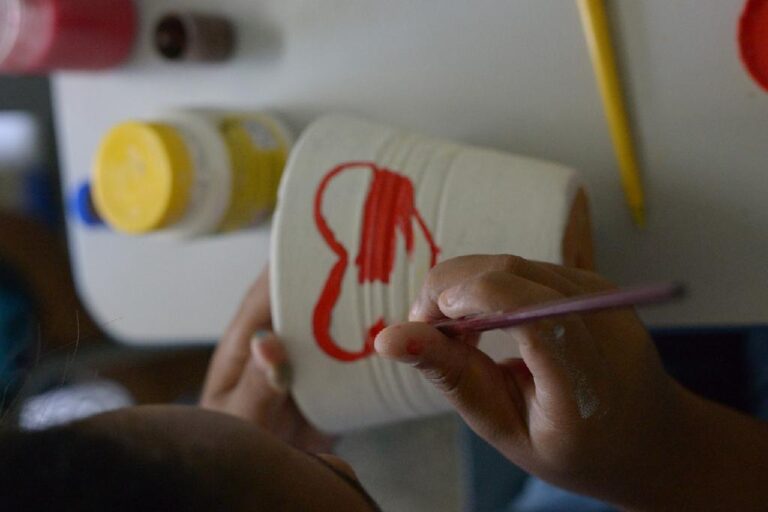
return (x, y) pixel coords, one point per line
(635, 296)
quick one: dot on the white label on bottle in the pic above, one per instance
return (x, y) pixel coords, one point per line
(260, 135)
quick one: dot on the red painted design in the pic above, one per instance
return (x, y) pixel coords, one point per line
(389, 207)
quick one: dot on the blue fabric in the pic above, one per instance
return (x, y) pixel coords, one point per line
(757, 358)
(729, 366)
(496, 485)
(17, 326)
(539, 496)
(491, 481)
(41, 199)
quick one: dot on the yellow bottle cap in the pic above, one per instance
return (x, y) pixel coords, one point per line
(142, 177)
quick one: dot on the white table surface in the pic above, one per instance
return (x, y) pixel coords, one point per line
(508, 74)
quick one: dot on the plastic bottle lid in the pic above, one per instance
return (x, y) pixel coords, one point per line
(37, 36)
(753, 40)
(10, 26)
(142, 177)
(81, 205)
(24, 33)
(194, 36)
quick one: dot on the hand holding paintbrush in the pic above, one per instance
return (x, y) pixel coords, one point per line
(611, 299)
(589, 391)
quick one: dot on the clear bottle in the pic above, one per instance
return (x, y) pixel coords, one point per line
(190, 173)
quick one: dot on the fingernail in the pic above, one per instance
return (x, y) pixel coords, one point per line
(256, 339)
(449, 297)
(414, 311)
(280, 377)
(256, 352)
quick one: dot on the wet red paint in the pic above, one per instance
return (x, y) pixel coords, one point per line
(414, 348)
(389, 207)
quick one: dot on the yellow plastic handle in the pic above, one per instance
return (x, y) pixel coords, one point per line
(596, 29)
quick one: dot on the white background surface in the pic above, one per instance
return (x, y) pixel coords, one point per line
(509, 74)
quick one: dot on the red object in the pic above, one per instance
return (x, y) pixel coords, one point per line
(753, 40)
(414, 348)
(389, 207)
(38, 36)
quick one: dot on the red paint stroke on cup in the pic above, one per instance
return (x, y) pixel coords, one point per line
(389, 208)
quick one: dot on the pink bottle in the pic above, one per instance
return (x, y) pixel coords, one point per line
(38, 36)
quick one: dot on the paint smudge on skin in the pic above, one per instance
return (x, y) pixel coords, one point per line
(414, 348)
(389, 207)
(584, 394)
(586, 398)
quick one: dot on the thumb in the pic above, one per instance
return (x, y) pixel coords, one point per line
(269, 356)
(483, 393)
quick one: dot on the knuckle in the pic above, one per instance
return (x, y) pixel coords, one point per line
(448, 267)
(593, 280)
(603, 283)
(467, 260)
(447, 380)
(210, 399)
(436, 274)
(487, 288)
(432, 277)
(511, 263)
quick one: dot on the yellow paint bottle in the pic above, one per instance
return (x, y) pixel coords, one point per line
(190, 173)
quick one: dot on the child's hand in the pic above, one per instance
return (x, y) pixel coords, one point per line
(249, 375)
(589, 407)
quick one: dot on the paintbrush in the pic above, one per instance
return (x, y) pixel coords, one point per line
(611, 299)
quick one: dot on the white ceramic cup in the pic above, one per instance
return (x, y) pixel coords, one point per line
(363, 212)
